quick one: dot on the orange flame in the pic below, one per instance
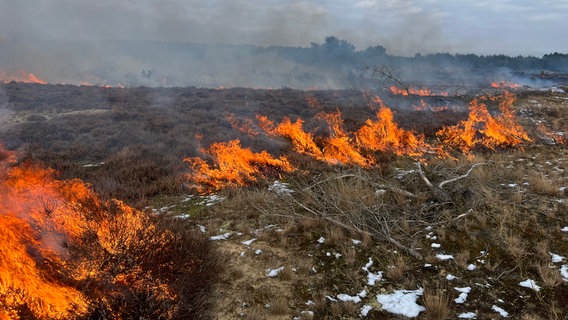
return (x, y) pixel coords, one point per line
(505, 85)
(339, 147)
(483, 130)
(234, 166)
(21, 76)
(42, 223)
(384, 135)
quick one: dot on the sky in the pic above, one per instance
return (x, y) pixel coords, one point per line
(404, 27)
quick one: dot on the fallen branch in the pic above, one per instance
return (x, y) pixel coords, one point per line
(443, 183)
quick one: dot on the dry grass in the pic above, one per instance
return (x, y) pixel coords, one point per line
(437, 304)
(279, 305)
(550, 276)
(540, 184)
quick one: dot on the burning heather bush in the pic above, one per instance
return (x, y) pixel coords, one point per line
(481, 129)
(67, 254)
(235, 166)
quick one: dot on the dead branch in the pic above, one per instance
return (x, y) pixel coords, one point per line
(443, 183)
(389, 74)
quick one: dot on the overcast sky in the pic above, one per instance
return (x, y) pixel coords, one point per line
(513, 27)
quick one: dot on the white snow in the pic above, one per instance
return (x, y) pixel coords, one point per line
(202, 228)
(372, 278)
(321, 240)
(436, 245)
(556, 258)
(223, 236)
(281, 188)
(467, 315)
(258, 251)
(500, 310)
(402, 302)
(365, 310)
(463, 294)
(471, 267)
(249, 242)
(529, 283)
(345, 297)
(273, 272)
(444, 256)
(450, 277)
(355, 242)
(565, 229)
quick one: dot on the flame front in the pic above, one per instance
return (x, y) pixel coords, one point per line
(384, 135)
(481, 129)
(234, 166)
(21, 76)
(66, 253)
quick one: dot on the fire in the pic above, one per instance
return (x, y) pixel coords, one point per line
(234, 166)
(481, 129)
(384, 135)
(411, 91)
(505, 85)
(65, 253)
(21, 76)
(339, 147)
(558, 137)
(302, 142)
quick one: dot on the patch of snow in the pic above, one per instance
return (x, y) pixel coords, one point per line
(565, 229)
(372, 278)
(183, 216)
(314, 270)
(444, 256)
(362, 294)
(556, 258)
(330, 298)
(450, 277)
(345, 297)
(310, 303)
(258, 251)
(321, 240)
(500, 310)
(436, 245)
(273, 272)
(211, 200)
(281, 188)
(427, 265)
(467, 315)
(249, 242)
(368, 265)
(365, 310)
(463, 294)
(529, 283)
(202, 228)
(380, 192)
(337, 255)
(402, 302)
(242, 254)
(355, 242)
(223, 236)
(471, 267)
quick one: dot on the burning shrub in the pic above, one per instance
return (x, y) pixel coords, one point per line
(483, 130)
(235, 166)
(67, 254)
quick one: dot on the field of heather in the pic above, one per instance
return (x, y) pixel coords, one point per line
(238, 203)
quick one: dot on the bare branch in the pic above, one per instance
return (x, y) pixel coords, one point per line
(443, 183)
